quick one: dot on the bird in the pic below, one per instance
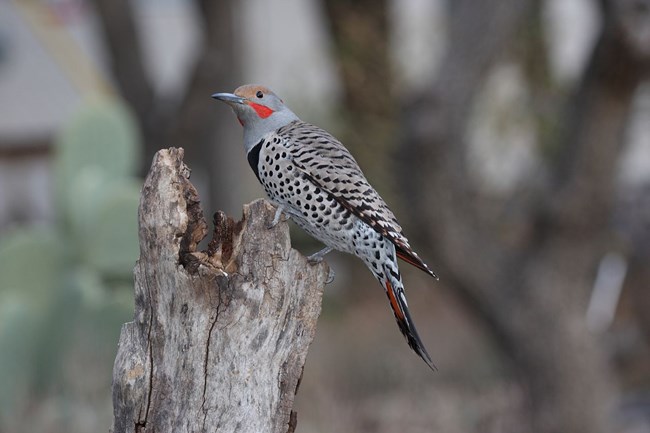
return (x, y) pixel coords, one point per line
(314, 180)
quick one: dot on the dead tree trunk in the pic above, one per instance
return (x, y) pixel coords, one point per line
(219, 337)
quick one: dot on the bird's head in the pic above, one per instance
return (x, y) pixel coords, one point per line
(258, 109)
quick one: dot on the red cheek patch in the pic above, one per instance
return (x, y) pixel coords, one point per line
(261, 110)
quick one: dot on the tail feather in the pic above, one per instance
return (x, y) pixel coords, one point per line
(410, 257)
(397, 298)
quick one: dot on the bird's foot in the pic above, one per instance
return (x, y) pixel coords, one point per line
(316, 258)
(277, 217)
(330, 276)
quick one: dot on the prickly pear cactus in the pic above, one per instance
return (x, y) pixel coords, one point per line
(65, 288)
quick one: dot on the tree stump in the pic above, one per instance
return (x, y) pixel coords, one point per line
(219, 337)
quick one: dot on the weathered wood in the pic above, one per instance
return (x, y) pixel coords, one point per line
(219, 337)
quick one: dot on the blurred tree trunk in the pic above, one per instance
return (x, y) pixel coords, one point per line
(527, 279)
(199, 123)
(190, 122)
(219, 337)
(124, 50)
(360, 34)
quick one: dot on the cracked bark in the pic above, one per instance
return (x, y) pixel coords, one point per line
(219, 337)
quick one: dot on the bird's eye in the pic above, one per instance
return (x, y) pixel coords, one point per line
(259, 94)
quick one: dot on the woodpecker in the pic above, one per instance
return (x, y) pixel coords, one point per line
(314, 180)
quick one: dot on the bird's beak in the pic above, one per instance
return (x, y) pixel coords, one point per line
(229, 98)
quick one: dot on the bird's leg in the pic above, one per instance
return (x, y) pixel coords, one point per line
(277, 217)
(318, 257)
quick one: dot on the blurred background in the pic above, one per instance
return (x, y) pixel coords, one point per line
(510, 137)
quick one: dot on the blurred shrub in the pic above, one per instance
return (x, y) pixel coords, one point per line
(66, 288)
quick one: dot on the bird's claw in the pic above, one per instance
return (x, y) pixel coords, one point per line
(317, 257)
(330, 276)
(277, 217)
